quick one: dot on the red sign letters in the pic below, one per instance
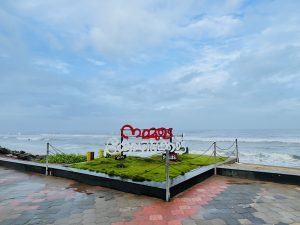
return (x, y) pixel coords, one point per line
(156, 133)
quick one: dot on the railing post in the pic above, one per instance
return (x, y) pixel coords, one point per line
(167, 177)
(237, 151)
(47, 159)
(215, 160)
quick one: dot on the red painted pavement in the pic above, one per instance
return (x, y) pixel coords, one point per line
(181, 207)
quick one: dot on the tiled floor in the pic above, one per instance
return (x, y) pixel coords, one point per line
(35, 199)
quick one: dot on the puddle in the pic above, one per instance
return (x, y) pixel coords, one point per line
(81, 188)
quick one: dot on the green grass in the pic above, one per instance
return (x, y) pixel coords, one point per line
(152, 169)
(65, 158)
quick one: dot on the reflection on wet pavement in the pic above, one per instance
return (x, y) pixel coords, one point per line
(28, 198)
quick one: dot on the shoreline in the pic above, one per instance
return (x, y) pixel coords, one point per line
(19, 155)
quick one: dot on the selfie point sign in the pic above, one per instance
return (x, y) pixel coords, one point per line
(135, 141)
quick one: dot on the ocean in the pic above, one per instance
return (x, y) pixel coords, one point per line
(267, 147)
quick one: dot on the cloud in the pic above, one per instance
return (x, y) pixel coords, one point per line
(120, 30)
(290, 105)
(54, 65)
(281, 78)
(213, 26)
(210, 61)
(96, 62)
(80, 64)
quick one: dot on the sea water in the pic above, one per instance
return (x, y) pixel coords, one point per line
(268, 147)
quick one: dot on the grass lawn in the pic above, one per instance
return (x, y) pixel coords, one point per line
(151, 169)
(65, 158)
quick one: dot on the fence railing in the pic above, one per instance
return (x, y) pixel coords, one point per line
(51, 150)
(213, 151)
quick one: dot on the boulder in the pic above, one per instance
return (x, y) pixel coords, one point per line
(24, 156)
(21, 154)
(4, 151)
(40, 157)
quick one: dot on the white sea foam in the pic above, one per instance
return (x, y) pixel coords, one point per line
(280, 159)
(244, 140)
(282, 149)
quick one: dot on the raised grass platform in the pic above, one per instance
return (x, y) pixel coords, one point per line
(148, 169)
(150, 188)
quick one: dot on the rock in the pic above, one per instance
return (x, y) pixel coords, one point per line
(4, 151)
(40, 157)
(16, 153)
(21, 154)
(24, 156)
(11, 155)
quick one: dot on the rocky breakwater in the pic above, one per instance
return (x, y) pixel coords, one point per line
(22, 155)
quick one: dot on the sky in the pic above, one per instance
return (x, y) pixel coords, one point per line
(93, 66)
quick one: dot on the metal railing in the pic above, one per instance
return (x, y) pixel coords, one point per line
(51, 150)
(212, 152)
(216, 150)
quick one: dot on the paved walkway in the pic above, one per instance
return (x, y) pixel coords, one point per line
(27, 198)
(295, 171)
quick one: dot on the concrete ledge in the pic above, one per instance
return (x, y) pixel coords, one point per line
(23, 165)
(181, 183)
(262, 175)
(193, 180)
(154, 189)
(150, 188)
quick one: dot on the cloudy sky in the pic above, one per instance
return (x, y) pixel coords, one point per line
(92, 66)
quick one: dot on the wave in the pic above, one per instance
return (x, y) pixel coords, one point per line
(244, 140)
(271, 158)
(48, 137)
(32, 139)
(287, 155)
(269, 155)
(187, 138)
